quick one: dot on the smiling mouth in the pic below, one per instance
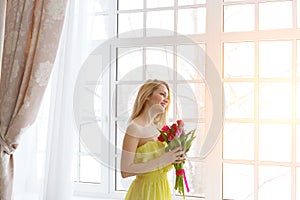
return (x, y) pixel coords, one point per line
(163, 105)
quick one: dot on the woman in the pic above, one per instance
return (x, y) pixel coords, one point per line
(142, 155)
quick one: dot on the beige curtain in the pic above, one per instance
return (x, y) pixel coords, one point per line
(2, 24)
(32, 32)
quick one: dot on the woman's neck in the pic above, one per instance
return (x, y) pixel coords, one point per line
(149, 114)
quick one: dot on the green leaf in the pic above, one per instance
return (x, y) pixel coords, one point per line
(190, 139)
(164, 135)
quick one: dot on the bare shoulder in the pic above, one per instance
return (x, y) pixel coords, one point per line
(132, 128)
(131, 141)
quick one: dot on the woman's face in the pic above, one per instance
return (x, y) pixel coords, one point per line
(159, 96)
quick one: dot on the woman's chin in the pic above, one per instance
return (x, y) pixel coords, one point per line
(156, 109)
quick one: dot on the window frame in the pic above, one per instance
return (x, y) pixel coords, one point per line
(213, 45)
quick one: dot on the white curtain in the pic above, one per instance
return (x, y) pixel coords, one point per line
(44, 166)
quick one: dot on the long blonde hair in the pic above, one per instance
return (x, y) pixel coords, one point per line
(144, 92)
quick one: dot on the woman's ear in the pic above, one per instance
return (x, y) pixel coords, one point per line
(148, 97)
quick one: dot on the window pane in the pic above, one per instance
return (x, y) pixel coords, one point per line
(275, 59)
(274, 183)
(191, 61)
(235, 0)
(238, 181)
(129, 22)
(238, 141)
(82, 147)
(159, 72)
(121, 126)
(171, 106)
(191, 21)
(298, 183)
(122, 183)
(159, 3)
(98, 101)
(298, 56)
(125, 99)
(90, 170)
(160, 55)
(195, 170)
(275, 101)
(89, 138)
(191, 98)
(239, 61)
(190, 2)
(239, 18)
(129, 65)
(275, 142)
(298, 145)
(199, 140)
(239, 99)
(275, 15)
(130, 4)
(160, 63)
(160, 20)
(298, 101)
(298, 13)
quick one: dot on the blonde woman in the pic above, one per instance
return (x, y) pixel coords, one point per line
(143, 155)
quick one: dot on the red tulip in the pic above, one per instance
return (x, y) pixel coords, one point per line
(165, 129)
(170, 137)
(180, 123)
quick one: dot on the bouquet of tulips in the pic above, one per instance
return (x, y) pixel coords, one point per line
(175, 136)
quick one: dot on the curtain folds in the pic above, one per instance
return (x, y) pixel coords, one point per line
(31, 37)
(62, 132)
(2, 25)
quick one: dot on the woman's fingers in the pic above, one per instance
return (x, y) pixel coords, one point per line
(177, 149)
(177, 155)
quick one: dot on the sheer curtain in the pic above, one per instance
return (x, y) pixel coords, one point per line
(47, 173)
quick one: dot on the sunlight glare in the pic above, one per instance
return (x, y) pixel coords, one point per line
(275, 142)
(239, 60)
(298, 56)
(238, 181)
(298, 13)
(275, 101)
(239, 100)
(274, 182)
(298, 145)
(275, 59)
(238, 142)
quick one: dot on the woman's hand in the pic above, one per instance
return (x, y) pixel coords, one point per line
(177, 155)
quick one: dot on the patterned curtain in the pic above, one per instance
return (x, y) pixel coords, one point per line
(31, 37)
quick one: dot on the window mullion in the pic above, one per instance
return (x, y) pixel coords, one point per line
(214, 51)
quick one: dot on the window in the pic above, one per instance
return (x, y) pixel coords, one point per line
(261, 80)
(157, 50)
(255, 46)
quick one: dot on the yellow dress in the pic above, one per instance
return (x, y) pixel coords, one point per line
(153, 185)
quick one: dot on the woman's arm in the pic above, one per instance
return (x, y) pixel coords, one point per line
(129, 168)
